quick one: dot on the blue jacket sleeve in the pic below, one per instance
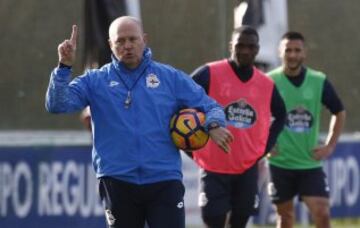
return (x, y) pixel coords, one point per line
(192, 95)
(63, 96)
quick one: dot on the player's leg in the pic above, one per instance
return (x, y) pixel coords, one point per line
(214, 198)
(214, 221)
(245, 200)
(319, 209)
(165, 204)
(282, 188)
(285, 214)
(315, 194)
(121, 204)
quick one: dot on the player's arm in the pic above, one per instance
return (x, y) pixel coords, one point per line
(336, 125)
(333, 103)
(202, 77)
(278, 112)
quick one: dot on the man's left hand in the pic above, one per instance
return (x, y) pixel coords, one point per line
(222, 137)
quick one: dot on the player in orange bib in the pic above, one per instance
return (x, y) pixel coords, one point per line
(250, 99)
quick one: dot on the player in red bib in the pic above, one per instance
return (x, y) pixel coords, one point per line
(250, 100)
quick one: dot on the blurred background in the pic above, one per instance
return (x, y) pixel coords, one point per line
(185, 34)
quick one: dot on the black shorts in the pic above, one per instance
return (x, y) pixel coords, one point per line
(160, 204)
(285, 184)
(221, 193)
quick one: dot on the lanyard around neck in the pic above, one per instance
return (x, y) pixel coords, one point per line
(128, 99)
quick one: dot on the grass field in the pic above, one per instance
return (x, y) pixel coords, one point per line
(335, 223)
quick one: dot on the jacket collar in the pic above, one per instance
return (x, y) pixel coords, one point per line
(147, 54)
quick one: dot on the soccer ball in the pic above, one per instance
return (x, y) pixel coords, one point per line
(186, 128)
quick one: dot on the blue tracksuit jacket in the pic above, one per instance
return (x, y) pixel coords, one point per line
(132, 144)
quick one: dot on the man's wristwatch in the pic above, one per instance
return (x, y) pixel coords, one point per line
(213, 125)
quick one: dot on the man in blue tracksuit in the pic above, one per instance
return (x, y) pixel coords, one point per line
(132, 100)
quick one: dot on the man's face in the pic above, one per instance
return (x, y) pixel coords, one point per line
(127, 43)
(292, 54)
(244, 48)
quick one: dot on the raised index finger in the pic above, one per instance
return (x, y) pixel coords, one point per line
(74, 34)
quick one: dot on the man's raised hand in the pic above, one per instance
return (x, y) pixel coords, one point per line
(67, 49)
